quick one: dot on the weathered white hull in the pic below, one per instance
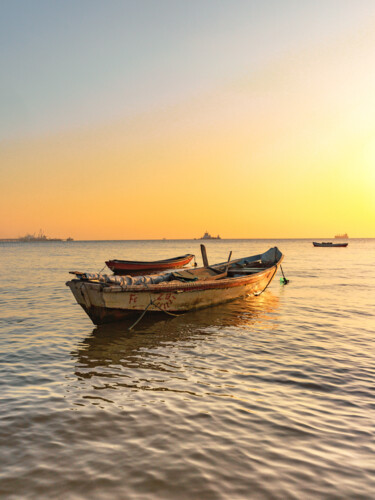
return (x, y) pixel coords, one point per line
(112, 303)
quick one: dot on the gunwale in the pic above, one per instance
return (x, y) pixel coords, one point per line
(195, 285)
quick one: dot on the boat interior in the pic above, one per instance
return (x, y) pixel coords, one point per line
(230, 269)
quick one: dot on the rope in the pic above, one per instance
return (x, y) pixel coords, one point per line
(166, 312)
(259, 293)
(145, 310)
(286, 281)
(140, 317)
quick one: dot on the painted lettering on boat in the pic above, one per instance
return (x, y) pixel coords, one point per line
(133, 298)
(165, 300)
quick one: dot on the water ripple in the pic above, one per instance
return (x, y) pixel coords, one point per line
(265, 398)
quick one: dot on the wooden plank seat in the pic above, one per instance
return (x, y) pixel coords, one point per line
(245, 270)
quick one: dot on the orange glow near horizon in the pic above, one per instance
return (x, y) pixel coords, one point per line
(286, 153)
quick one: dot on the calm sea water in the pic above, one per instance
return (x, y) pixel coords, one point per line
(267, 398)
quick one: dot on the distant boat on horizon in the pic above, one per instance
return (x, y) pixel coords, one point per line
(342, 236)
(207, 236)
(329, 244)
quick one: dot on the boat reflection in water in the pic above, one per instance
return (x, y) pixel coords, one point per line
(113, 356)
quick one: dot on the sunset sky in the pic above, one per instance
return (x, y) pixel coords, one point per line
(166, 118)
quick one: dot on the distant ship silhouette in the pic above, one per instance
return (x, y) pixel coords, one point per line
(37, 237)
(342, 236)
(207, 236)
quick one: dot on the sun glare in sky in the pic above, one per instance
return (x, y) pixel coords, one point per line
(132, 120)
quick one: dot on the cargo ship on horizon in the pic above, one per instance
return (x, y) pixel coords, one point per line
(207, 236)
(342, 236)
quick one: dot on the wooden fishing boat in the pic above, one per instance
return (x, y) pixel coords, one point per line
(144, 267)
(329, 244)
(111, 298)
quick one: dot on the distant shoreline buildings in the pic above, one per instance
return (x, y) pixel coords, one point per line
(31, 238)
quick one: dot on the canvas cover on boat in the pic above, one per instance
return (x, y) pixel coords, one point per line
(271, 256)
(150, 279)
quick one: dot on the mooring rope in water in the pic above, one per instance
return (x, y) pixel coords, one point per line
(283, 280)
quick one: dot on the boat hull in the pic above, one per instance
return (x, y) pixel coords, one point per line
(138, 267)
(329, 245)
(106, 304)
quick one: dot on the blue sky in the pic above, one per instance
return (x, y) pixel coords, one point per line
(71, 64)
